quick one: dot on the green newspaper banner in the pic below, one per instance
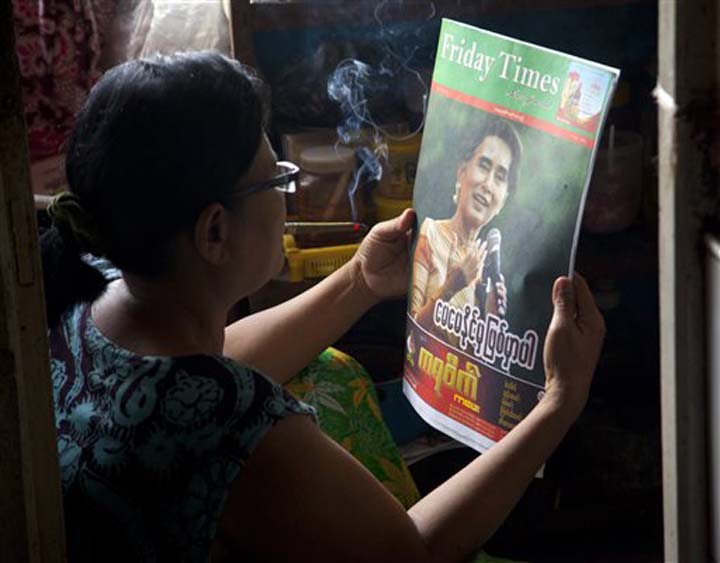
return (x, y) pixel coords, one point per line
(538, 87)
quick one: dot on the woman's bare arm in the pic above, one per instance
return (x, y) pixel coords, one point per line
(283, 340)
(303, 498)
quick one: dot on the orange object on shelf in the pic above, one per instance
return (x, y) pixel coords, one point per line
(325, 183)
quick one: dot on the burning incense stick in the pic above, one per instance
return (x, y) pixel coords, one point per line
(295, 227)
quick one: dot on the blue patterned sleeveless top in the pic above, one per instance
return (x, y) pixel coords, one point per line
(149, 446)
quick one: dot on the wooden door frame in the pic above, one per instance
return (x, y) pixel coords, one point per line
(31, 516)
(687, 102)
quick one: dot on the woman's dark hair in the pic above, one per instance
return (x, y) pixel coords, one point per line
(157, 140)
(493, 127)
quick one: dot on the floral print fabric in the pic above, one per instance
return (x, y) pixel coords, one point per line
(347, 409)
(346, 402)
(149, 446)
(58, 45)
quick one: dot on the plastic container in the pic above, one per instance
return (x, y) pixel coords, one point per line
(307, 263)
(388, 208)
(615, 193)
(398, 176)
(325, 183)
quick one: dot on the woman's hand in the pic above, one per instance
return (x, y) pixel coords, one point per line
(573, 343)
(465, 265)
(383, 260)
(496, 302)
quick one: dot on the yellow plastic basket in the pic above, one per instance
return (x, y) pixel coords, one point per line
(305, 263)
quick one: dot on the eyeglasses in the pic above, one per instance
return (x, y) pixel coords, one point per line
(286, 174)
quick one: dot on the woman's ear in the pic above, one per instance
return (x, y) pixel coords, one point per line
(212, 234)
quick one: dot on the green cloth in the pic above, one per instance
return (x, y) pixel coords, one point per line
(347, 404)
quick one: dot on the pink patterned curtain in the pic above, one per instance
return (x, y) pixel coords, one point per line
(59, 44)
(63, 47)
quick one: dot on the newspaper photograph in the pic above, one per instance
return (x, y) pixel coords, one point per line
(510, 138)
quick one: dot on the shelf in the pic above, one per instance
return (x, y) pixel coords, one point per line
(273, 15)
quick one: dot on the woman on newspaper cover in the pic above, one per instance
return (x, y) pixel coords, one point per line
(452, 262)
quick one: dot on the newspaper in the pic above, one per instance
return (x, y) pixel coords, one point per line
(510, 138)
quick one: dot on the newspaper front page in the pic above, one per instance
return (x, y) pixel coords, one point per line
(508, 147)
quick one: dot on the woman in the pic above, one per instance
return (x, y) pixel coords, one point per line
(450, 256)
(173, 445)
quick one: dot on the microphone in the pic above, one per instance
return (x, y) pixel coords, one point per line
(491, 269)
(492, 261)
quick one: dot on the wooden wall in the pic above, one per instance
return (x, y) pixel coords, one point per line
(687, 105)
(31, 525)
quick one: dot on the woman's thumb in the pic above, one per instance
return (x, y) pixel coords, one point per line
(564, 299)
(395, 226)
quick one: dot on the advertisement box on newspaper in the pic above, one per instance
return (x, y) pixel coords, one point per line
(510, 138)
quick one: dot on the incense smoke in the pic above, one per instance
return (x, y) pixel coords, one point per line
(356, 86)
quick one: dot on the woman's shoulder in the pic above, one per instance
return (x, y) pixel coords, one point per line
(436, 233)
(170, 434)
(177, 390)
(428, 225)
(434, 227)
(233, 403)
(109, 271)
(209, 389)
(252, 393)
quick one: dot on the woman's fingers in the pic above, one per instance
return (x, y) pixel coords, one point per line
(396, 227)
(564, 299)
(573, 342)
(501, 296)
(482, 248)
(482, 254)
(586, 307)
(585, 301)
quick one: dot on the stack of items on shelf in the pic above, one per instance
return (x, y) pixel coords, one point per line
(325, 197)
(394, 192)
(334, 187)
